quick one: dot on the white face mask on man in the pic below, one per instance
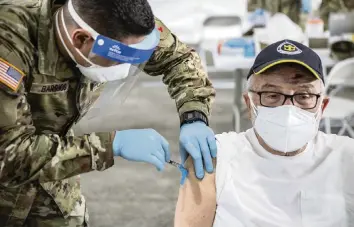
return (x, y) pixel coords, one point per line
(285, 128)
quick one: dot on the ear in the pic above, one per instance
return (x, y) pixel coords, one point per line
(325, 103)
(82, 40)
(246, 98)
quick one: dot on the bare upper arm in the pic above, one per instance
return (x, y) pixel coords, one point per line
(196, 203)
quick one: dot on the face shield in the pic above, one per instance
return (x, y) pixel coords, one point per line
(113, 63)
(107, 53)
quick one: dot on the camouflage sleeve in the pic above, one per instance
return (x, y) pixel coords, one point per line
(182, 71)
(26, 155)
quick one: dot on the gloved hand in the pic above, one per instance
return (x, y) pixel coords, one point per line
(142, 145)
(198, 140)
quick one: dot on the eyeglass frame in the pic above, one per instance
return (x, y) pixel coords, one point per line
(291, 97)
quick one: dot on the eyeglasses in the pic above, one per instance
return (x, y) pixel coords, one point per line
(274, 99)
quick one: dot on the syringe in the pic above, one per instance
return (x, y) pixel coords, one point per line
(183, 170)
(175, 164)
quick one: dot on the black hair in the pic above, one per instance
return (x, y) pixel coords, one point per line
(117, 19)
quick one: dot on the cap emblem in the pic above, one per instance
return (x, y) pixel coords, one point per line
(288, 48)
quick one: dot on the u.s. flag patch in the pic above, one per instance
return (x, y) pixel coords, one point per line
(10, 75)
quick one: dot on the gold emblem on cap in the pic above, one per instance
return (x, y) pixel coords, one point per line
(288, 48)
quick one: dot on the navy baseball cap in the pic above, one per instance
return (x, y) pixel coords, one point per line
(287, 51)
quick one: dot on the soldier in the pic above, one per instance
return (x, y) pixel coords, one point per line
(334, 6)
(289, 7)
(54, 61)
(296, 10)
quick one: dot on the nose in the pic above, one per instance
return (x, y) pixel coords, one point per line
(288, 101)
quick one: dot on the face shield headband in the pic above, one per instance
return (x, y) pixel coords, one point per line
(114, 50)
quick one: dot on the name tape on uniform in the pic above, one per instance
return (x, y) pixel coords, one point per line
(49, 88)
(10, 75)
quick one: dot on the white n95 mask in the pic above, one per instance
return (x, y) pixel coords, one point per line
(286, 128)
(104, 74)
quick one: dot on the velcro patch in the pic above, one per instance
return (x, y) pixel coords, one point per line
(10, 75)
(49, 88)
(164, 31)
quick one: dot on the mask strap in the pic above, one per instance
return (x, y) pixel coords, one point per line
(80, 21)
(253, 106)
(61, 37)
(317, 113)
(69, 37)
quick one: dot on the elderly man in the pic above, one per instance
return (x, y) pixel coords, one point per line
(282, 172)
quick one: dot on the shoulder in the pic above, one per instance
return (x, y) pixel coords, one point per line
(232, 137)
(226, 136)
(27, 10)
(231, 143)
(160, 26)
(18, 28)
(333, 142)
(20, 17)
(166, 37)
(332, 139)
(18, 23)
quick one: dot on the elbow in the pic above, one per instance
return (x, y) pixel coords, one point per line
(12, 173)
(15, 155)
(194, 212)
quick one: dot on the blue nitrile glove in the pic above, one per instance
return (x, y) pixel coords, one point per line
(198, 140)
(306, 6)
(142, 145)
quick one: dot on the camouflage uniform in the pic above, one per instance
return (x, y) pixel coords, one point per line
(292, 8)
(40, 159)
(334, 6)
